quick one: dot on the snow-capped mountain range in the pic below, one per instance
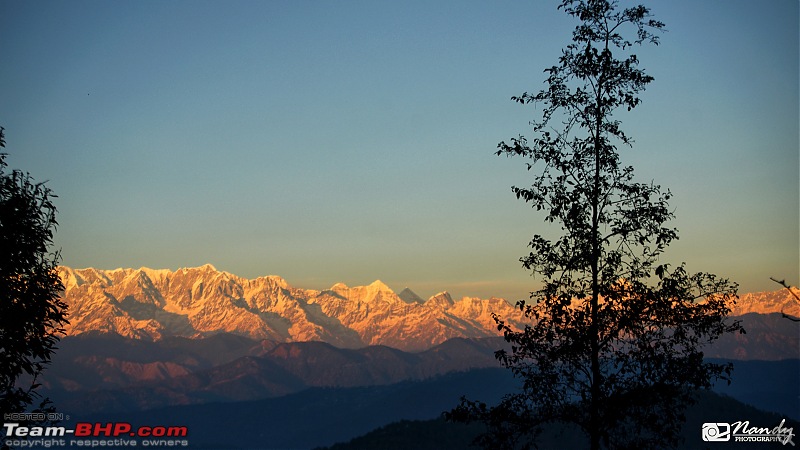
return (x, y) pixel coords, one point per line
(193, 302)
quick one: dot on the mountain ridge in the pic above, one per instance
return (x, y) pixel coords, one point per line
(94, 372)
(194, 302)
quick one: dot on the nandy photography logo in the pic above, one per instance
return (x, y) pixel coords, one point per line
(741, 431)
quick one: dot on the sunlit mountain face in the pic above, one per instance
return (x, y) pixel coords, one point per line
(780, 301)
(154, 304)
(195, 302)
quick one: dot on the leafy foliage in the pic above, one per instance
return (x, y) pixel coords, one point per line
(615, 343)
(31, 314)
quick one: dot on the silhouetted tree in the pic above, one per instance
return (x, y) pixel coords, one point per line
(793, 293)
(614, 347)
(31, 313)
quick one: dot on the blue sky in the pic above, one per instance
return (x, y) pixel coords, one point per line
(352, 141)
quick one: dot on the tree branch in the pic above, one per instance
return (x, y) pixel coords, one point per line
(789, 288)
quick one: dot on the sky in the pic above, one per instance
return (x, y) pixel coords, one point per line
(351, 141)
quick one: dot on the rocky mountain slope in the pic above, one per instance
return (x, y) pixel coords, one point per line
(153, 304)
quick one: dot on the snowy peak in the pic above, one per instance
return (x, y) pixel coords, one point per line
(377, 291)
(379, 286)
(207, 268)
(442, 300)
(339, 287)
(274, 280)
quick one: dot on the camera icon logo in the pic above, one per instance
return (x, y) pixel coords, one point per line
(716, 432)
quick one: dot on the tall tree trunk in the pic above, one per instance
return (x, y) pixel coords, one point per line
(594, 328)
(594, 420)
(597, 376)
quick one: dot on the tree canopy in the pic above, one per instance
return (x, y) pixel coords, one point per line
(32, 314)
(615, 341)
